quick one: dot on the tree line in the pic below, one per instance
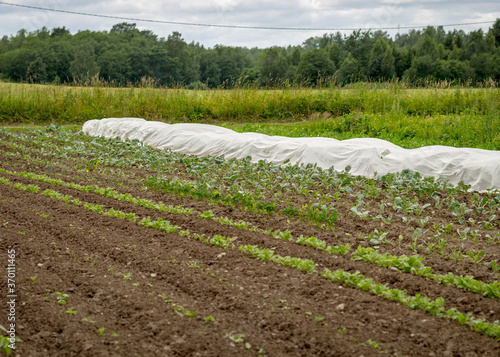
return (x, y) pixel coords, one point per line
(126, 55)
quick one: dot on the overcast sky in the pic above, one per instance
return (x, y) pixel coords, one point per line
(278, 13)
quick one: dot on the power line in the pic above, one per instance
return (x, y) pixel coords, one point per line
(235, 26)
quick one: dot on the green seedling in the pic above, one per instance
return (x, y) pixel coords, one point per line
(6, 342)
(190, 313)
(476, 257)
(194, 264)
(61, 298)
(71, 311)
(101, 330)
(493, 265)
(238, 338)
(209, 318)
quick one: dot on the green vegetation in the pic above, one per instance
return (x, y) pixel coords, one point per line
(426, 87)
(62, 298)
(7, 344)
(461, 117)
(415, 266)
(389, 216)
(126, 55)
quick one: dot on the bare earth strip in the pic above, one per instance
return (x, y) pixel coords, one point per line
(250, 301)
(91, 285)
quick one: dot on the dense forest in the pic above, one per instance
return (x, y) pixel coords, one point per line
(127, 55)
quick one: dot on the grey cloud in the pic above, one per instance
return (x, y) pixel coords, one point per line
(279, 13)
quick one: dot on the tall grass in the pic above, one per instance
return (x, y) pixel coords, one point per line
(436, 115)
(476, 131)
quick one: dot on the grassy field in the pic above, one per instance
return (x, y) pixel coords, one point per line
(462, 117)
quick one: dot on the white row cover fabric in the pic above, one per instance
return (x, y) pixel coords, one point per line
(475, 167)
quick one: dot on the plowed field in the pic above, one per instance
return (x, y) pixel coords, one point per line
(124, 250)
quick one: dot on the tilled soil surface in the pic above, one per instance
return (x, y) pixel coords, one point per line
(91, 285)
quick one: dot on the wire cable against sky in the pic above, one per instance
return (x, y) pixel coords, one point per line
(235, 26)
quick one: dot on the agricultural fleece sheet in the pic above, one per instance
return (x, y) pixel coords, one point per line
(366, 156)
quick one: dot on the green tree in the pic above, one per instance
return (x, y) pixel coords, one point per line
(402, 61)
(138, 62)
(459, 41)
(448, 41)
(209, 69)
(496, 32)
(335, 54)
(456, 70)
(349, 70)
(84, 65)
(14, 64)
(114, 65)
(428, 47)
(295, 57)
(249, 76)
(314, 65)
(37, 71)
(123, 27)
(381, 64)
(59, 32)
(165, 69)
(421, 68)
(58, 58)
(359, 44)
(231, 62)
(484, 66)
(475, 44)
(273, 66)
(178, 48)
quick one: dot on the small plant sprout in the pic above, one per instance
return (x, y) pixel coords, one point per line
(33, 279)
(6, 343)
(373, 344)
(209, 318)
(194, 264)
(61, 298)
(235, 337)
(376, 237)
(476, 257)
(101, 330)
(166, 299)
(190, 313)
(493, 265)
(70, 311)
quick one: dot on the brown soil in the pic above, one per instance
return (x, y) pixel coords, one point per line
(127, 285)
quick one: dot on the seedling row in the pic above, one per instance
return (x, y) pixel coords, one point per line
(397, 238)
